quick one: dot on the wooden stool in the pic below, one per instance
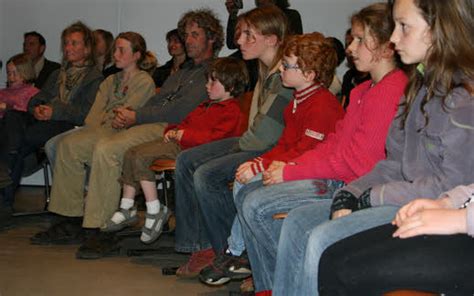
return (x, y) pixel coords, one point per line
(167, 167)
(409, 293)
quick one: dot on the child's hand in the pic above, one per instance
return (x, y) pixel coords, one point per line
(179, 135)
(274, 173)
(169, 136)
(244, 173)
(419, 205)
(433, 221)
(341, 213)
(276, 164)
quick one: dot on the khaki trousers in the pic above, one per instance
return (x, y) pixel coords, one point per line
(137, 161)
(102, 150)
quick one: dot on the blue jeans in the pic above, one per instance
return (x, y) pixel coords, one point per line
(306, 233)
(204, 203)
(236, 243)
(256, 204)
(52, 144)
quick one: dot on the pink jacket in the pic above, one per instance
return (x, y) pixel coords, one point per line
(17, 98)
(359, 140)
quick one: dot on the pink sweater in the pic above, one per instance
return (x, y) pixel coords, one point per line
(359, 140)
(17, 98)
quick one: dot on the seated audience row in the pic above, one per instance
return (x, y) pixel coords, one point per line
(433, 121)
(313, 189)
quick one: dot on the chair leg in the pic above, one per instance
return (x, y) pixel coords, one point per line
(46, 183)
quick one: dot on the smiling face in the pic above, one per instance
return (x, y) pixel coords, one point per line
(411, 36)
(175, 47)
(198, 46)
(124, 57)
(75, 49)
(14, 77)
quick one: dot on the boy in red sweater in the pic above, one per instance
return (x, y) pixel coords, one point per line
(217, 118)
(308, 66)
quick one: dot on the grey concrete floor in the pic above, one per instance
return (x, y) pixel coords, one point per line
(27, 269)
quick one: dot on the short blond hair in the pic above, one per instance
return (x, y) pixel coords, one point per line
(24, 66)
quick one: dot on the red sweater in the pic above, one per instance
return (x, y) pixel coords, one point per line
(359, 141)
(309, 118)
(210, 121)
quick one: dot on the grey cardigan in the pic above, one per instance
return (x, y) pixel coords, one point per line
(428, 162)
(81, 100)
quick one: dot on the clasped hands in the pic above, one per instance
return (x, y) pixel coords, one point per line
(429, 216)
(125, 117)
(273, 175)
(43, 112)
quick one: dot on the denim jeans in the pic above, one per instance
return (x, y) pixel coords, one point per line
(236, 243)
(306, 233)
(52, 144)
(204, 204)
(256, 204)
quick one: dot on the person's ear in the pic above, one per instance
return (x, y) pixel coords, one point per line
(310, 75)
(387, 50)
(137, 55)
(42, 49)
(271, 40)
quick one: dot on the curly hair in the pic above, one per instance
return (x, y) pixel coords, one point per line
(377, 18)
(315, 53)
(207, 20)
(87, 35)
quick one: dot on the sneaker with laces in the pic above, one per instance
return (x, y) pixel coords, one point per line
(196, 263)
(224, 268)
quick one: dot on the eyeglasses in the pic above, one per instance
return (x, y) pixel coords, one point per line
(287, 66)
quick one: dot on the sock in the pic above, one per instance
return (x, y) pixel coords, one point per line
(152, 207)
(126, 204)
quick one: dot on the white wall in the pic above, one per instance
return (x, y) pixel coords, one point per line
(152, 18)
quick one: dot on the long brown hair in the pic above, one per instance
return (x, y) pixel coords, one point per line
(268, 20)
(451, 25)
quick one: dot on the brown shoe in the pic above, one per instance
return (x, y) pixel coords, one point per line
(196, 263)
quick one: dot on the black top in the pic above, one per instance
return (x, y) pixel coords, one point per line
(48, 68)
(351, 79)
